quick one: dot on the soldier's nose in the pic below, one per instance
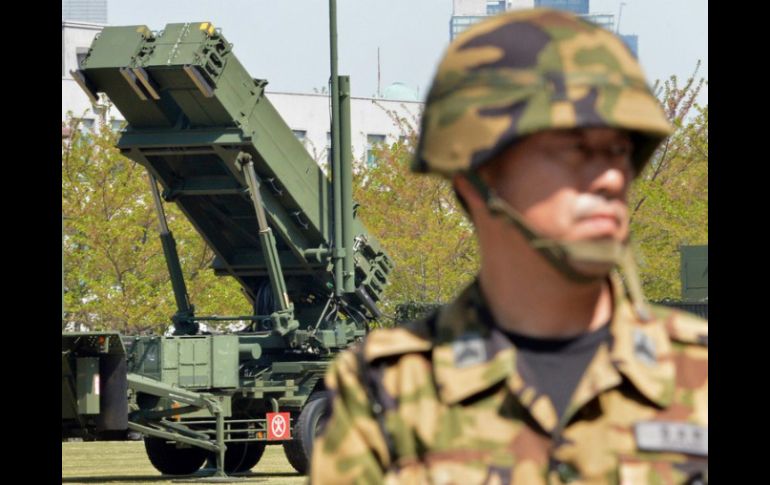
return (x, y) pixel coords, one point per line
(608, 180)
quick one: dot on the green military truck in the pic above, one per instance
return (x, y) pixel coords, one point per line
(213, 144)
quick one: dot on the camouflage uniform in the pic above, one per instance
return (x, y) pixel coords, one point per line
(448, 400)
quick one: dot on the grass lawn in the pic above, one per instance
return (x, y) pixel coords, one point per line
(117, 462)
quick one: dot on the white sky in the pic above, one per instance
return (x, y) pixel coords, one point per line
(287, 42)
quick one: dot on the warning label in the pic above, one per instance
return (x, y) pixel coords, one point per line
(278, 426)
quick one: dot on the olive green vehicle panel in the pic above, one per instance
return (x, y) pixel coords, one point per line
(190, 362)
(122, 43)
(695, 273)
(87, 362)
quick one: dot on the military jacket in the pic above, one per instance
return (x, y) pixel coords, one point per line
(447, 401)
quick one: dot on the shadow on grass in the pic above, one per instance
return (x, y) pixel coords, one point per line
(267, 475)
(118, 478)
(165, 478)
(205, 472)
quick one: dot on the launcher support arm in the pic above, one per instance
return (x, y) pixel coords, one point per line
(283, 318)
(183, 319)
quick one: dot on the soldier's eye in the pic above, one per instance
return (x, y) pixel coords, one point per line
(565, 150)
(619, 150)
(575, 153)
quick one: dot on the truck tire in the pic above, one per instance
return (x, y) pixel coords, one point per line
(311, 420)
(239, 457)
(254, 451)
(170, 460)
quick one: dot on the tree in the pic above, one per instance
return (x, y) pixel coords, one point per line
(669, 202)
(419, 223)
(115, 272)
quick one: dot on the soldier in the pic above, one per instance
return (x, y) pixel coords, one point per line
(550, 367)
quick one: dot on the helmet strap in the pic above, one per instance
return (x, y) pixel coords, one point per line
(559, 254)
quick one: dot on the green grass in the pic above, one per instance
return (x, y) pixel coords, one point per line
(125, 462)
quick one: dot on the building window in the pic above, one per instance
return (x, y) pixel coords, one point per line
(495, 7)
(371, 142)
(117, 125)
(575, 6)
(606, 21)
(86, 125)
(458, 24)
(632, 41)
(94, 11)
(81, 53)
(300, 135)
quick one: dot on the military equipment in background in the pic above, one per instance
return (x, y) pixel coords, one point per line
(207, 134)
(694, 275)
(411, 311)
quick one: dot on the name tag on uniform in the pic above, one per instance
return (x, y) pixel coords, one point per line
(672, 437)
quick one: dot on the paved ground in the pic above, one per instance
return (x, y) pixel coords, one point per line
(125, 462)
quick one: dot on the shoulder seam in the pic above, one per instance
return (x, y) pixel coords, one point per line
(392, 350)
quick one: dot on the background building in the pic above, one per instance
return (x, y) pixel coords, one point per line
(632, 41)
(467, 12)
(76, 38)
(574, 6)
(604, 20)
(91, 11)
(373, 121)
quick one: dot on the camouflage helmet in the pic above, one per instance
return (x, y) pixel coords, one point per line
(526, 71)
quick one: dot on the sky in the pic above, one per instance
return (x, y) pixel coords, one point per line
(287, 42)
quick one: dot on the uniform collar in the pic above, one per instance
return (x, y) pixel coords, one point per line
(472, 355)
(641, 350)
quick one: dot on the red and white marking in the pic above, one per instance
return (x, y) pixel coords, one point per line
(278, 426)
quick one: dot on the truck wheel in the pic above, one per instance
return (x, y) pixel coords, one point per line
(239, 457)
(254, 451)
(311, 420)
(170, 460)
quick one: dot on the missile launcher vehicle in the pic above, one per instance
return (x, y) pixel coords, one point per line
(213, 144)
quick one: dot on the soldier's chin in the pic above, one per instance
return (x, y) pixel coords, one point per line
(591, 268)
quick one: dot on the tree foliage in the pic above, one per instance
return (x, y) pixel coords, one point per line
(669, 201)
(115, 272)
(419, 223)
